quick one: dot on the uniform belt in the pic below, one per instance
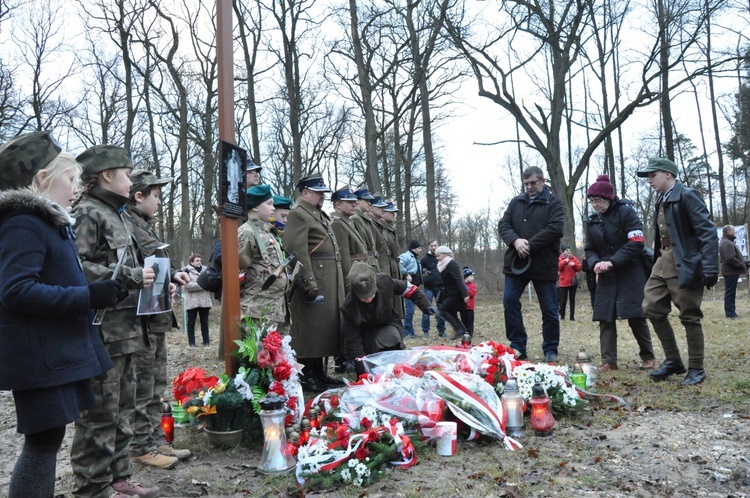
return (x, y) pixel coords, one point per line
(665, 242)
(325, 255)
(359, 257)
(372, 253)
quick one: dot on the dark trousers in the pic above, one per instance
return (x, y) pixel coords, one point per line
(608, 339)
(191, 324)
(730, 295)
(467, 317)
(515, 330)
(562, 299)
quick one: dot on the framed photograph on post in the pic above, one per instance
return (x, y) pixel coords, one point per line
(232, 183)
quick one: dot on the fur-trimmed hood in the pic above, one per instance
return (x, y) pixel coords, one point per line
(24, 201)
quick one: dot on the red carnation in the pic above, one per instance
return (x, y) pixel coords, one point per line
(272, 342)
(362, 452)
(334, 401)
(366, 423)
(277, 388)
(282, 371)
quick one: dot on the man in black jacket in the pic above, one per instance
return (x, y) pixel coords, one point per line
(532, 227)
(686, 247)
(370, 323)
(433, 284)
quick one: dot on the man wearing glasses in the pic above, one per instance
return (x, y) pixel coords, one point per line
(532, 227)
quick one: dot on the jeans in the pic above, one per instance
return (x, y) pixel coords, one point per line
(409, 317)
(515, 330)
(730, 293)
(430, 293)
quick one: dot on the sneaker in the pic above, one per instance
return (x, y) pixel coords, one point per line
(156, 459)
(130, 488)
(167, 450)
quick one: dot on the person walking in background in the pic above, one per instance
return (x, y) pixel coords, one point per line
(532, 227)
(732, 265)
(567, 268)
(433, 283)
(197, 300)
(50, 349)
(411, 270)
(99, 453)
(614, 250)
(454, 295)
(467, 315)
(686, 248)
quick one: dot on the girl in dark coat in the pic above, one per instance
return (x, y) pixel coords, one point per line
(50, 349)
(614, 249)
(454, 295)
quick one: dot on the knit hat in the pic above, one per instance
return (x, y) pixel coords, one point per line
(468, 271)
(361, 280)
(564, 248)
(601, 188)
(659, 164)
(24, 156)
(104, 157)
(257, 195)
(443, 250)
(413, 244)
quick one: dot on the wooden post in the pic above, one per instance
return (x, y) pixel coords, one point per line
(230, 263)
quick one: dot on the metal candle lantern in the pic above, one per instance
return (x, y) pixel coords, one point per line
(541, 419)
(587, 367)
(167, 422)
(276, 457)
(513, 405)
(466, 340)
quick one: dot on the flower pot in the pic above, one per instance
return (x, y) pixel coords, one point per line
(228, 439)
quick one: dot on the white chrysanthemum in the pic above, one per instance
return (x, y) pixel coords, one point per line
(358, 481)
(346, 475)
(362, 470)
(352, 462)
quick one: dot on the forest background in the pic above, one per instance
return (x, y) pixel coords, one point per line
(438, 104)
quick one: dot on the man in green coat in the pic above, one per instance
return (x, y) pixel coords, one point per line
(318, 289)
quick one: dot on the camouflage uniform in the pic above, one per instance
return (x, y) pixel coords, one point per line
(99, 452)
(258, 263)
(150, 363)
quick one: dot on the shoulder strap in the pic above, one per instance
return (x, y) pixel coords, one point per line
(259, 241)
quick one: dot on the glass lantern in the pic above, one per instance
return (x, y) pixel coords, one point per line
(541, 419)
(167, 422)
(513, 405)
(578, 377)
(587, 367)
(277, 457)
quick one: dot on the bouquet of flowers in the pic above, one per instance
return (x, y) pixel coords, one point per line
(223, 405)
(191, 382)
(563, 395)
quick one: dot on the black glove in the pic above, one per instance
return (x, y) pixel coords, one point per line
(104, 294)
(359, 367)
(433, 311)
(710, 281)
(123, 293)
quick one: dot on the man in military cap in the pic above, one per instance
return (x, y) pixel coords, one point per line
(149, 444)
(370, 323)
(252, 173)
(361, 219)
(319, 288)
(388, 229)
(686, 247)
(260, 254)
(99, 453)
(351, 245)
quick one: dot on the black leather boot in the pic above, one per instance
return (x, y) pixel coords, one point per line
(319, 371)
(694, 377)
(668, 368)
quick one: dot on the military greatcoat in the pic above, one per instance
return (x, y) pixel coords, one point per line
(316, 327)
(362, 224)
(351, 245)
(389, 235)
(260, 254)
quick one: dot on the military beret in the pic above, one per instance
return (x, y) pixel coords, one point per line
(659, 164)
(24, 156)
(281, 202)
(104, 157)
(361, 280)
(257, 195)
(143, 179)
(343, 194)
(313, 182)
(363, 193)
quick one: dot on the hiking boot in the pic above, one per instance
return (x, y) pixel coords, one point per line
(608, 367)
(694, 377)
(648, 364)
(130, 488)
(156, 459)
(167, 450)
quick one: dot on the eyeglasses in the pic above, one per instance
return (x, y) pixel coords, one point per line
(597, 200)
(532, 183)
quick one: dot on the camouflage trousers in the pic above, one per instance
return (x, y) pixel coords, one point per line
(99, 453)
(151, 382)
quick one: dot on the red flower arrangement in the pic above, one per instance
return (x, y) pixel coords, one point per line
(191, 382)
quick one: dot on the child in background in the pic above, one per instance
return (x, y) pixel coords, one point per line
(467, 316)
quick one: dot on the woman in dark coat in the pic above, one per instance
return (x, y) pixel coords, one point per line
(454, 295)
(614, 249)
(49, 350)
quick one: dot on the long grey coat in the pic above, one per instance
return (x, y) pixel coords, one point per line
(316, 327)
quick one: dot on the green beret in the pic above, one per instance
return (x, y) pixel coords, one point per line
(143, 179)
(659, 164)
(24, 156)
(103, 157)
(281, 202)
(361, 280)
(257, 195)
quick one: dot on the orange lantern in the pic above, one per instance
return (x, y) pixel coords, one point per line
(541, 419)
